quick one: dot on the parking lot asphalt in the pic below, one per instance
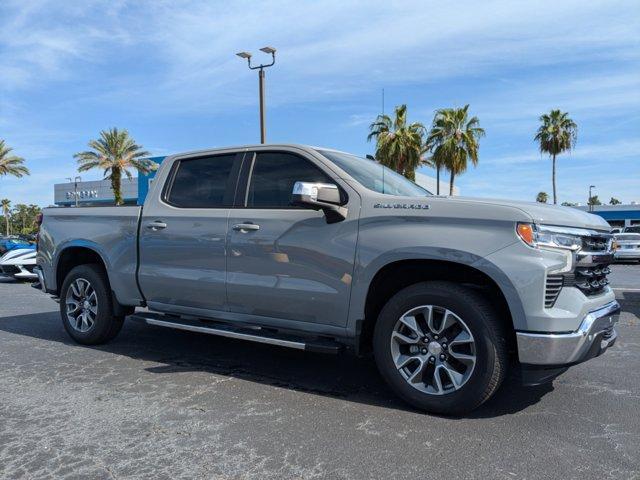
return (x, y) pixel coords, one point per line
(164, 404)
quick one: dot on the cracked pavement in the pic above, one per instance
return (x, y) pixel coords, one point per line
(163, 404)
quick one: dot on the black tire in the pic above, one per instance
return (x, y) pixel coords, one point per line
(106, 325)
(485, 326)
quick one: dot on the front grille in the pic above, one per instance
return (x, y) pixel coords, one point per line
(552, 290)
(590, 280)
(608, 333)
(596, 243)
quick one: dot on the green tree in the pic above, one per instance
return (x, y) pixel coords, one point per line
(23, 219)
(453, 141)
(569, 204)
(614, 201)
(542, 197)
(20, 214)
(6, 209)
(399, 145)
(556, 134)
(594, 200)
(115, 152)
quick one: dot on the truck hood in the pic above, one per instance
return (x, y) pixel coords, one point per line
(548, 214)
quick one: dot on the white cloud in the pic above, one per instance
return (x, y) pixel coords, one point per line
(325, 49)
(619, 150)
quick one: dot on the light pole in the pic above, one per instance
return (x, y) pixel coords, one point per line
(75, 187)
(589, 201)
(260, 68)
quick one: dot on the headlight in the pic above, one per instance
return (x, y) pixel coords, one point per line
(565, 238)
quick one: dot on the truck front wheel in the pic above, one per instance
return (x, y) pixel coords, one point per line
(441, 347)
(86, 306)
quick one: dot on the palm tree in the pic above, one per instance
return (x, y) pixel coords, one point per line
(454, 140)
(614, 201)
(10, 164)
(594, 200)
(115, 152)
(398, 144)
(438, 164)
(6, 208)
(556, 134)
(542, 197)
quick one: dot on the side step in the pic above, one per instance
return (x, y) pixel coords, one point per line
(250, 333)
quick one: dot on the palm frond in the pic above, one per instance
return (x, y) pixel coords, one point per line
(11, 164)
(115, 152)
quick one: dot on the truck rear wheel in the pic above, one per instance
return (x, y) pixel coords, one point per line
(86, 306)
(441, 347)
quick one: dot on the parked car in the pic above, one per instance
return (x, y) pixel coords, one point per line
(320, 250)
(627, 246)
(19, 263)
(11, 243)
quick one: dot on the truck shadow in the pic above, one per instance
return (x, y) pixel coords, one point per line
(339, 376)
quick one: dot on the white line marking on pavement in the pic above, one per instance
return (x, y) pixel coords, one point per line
(627, 289)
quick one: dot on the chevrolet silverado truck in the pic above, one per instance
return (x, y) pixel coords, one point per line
(320, 250)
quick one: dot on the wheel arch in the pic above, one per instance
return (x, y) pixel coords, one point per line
(75, 254)
(393, 276)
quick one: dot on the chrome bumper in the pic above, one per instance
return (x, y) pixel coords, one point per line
(593, 337)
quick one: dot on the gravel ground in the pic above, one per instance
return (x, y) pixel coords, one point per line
(159, 404)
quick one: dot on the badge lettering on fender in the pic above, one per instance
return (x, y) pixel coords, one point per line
(405, 206)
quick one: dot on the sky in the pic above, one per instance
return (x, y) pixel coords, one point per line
(166, 71)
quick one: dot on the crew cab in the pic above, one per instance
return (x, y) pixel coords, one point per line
(321, 250)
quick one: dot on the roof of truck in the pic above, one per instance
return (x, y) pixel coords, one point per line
(254, 146)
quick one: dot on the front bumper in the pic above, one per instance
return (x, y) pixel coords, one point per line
(594, 335)
(627, 254)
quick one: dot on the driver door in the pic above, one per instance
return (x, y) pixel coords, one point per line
(287, 262)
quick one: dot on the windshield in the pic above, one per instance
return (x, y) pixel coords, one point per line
(370, 174)
(634, 229)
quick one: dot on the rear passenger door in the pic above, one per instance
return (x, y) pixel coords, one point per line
(284, 262)
(183, 233)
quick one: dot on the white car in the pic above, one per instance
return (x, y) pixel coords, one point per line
(627, 246)
(19, 264)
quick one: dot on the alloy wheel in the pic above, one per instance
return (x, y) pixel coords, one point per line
(81, 305)
(433, 349)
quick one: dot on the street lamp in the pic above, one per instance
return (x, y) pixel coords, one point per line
(589, 201)
(246, 55)
(75, 186)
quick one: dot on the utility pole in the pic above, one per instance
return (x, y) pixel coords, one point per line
(589, 201)
(261, 80)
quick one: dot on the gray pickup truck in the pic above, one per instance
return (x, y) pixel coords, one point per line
(320, 250)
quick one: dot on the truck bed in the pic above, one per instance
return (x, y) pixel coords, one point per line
(110, 231)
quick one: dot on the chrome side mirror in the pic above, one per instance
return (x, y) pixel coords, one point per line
(320, 196)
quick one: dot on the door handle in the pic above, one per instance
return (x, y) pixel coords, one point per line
(245, 227)
(157, 225)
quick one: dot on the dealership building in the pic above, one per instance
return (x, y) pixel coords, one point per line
(617, 215)
(98, 192)
(134, 190)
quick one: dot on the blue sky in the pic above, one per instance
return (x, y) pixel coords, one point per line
(167, 72)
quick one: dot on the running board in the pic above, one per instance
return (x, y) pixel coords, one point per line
(229, 331)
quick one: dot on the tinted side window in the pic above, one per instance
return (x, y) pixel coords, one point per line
(274, 175)
(201, 182)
